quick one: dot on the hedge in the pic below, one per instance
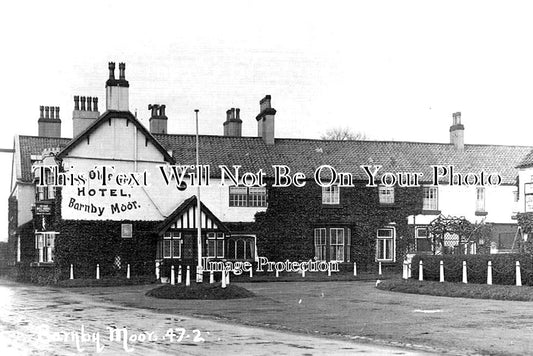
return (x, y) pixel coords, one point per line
(503, 268)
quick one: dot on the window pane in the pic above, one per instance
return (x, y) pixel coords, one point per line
(167, 248)
(176, 250)
(386, 195)
(480, 199)
(385, 233)
(330, 195)
(320, 244)
(220, 248)
(258, 196)
(337, 244)
(238, 196)
(211, 245)
(430, 198)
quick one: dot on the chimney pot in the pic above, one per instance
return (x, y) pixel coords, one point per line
(228, 115)
(265, 120)
(154, 108)
(111, 70)
(95, 104)
(238, 114)
(76, 102)
(41, 109)
(49, 124)
(82, 103)
(122, 69)
(158, 119)
(265, 103)
(89, 103)
(457, 135)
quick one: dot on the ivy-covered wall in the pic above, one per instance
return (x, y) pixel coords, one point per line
(86, 243)
(286, 229)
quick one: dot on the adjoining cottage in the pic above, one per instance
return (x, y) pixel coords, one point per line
(150, 221)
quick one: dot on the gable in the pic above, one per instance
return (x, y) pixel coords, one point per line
(116, 135)
(184, 217)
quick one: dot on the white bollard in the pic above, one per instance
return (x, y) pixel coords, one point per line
(251, 272)
(188, 277)
(380, 272)
(157, 271)
(518, 274)
(404, 270)
(211, 277)
(441, 279)
(97, 271)
(303, 273)
(227, 278)
(277, 273)
(172, 275)
(179, 275)
(489, 273)
(128, 274)
(409, 271)
(199, 274)
(71, 272)
(223, 279)
(465, 277)
(329, 270)
(421, 271)
(354, 269)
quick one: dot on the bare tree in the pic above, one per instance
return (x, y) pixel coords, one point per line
(342, 134)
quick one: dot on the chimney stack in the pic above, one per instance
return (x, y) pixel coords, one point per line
(49, 122)
(158, 119)
(457, 132)
(117, 90)
(265, 120)
(84, 114)
(233, 124)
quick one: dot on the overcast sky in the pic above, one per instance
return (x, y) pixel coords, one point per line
(395, 70)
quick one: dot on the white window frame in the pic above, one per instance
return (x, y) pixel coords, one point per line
(255, 197)
(431, 198)
(321, 243)
(337, 249)
(45, 244)
(386, 194)
(331, 195)
(425, 238)
(480, 199)
(172, 238)
(386, 240)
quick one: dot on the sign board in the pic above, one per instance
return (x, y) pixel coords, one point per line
(43, 209)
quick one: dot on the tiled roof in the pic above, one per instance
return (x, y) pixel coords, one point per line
(527, 161)
(305, 155)
(33, 145)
